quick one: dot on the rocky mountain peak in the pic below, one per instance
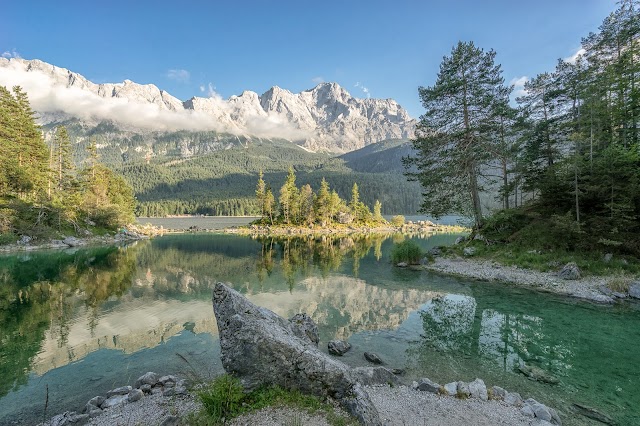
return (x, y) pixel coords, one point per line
(326, 117)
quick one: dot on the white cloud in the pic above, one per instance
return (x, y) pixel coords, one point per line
(317, 80)
(48, 96)
(10, 54)
(518, 85)
(364, 89)
(202, 88)
(573, 58)
(181, 76)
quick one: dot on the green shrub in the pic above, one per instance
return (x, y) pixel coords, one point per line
(406, 251)
(397, 220)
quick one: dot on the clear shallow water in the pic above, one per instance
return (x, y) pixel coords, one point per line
(78, 323)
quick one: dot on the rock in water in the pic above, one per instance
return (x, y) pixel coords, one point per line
(371, 357)
(338, 347)
(592, 413)
(262, 348)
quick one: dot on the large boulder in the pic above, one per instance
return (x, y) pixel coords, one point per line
(262, 348)
(338, 347)
(305, 328)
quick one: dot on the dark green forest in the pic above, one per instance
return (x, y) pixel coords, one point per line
(565, 156)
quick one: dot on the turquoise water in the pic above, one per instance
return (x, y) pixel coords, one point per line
(75, 324)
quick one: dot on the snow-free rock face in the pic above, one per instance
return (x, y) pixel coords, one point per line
(262, 348)
(325, 118)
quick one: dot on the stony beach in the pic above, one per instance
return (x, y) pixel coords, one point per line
(590, 288)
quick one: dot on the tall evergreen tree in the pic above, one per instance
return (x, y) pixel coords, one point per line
(455, 132)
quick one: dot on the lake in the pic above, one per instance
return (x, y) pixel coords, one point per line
(77, 323)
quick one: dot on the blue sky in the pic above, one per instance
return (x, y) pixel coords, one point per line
(384, 48)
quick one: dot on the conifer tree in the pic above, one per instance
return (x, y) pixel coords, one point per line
(455, 132)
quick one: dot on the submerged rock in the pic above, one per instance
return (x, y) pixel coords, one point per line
(371, 357)
(338, 347)
(592, 413)
(262, 348)
(537, 374)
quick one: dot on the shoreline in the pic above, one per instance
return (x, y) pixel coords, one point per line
(591, 288)
(285, 231)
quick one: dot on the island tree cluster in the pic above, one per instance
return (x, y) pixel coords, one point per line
(302, 206)
(41, 190)
(564, 158)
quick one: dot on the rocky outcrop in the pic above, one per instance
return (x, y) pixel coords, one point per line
(338, 347)
(262, 348)
(570, 271)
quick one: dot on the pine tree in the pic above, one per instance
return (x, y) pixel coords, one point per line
(322, 203)
(288, 198)
(454, 134)
(261, 192)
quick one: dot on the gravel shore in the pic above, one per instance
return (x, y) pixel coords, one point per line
(398, 406)
(585, 288)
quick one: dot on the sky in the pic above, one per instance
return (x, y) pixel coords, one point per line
(378, 49)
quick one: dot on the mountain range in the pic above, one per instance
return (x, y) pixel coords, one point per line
(324, 118)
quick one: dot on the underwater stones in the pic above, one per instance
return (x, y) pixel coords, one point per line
(338, 347)
(592, 413)
(537, 374)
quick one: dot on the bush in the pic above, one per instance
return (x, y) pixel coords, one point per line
(397, 220)
(406, 251)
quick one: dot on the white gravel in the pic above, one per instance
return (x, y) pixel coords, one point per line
(398, 406)
(584, 288)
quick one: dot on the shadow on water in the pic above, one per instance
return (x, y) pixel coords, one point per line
(82, 322)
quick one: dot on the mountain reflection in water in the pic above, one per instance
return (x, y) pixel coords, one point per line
(81, 322)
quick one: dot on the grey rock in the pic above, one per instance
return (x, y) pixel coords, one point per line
(167, 379)
(69, 418)
(513, 398)
(170, 421)
(149, 378)
(527, 411)
(402, 264)
(541, 411)
(479, 237)
(462, 390)
(338, 347)
(113, 401)
(123, 390)
(619, 295)
(634, 289)
(469, 251)
(180, 390)
(97, 400)
(478, 389)
(305, 328)
(368, 376)
(459, 240)
(426, 385)
(498, 392)
(451, 389)
(146, 388)
(72, 241)
(135, 395)
(607, 257)
(398, 371)
(262, 348)
(570, 271)
(156, 390)
(371, 357)
(169, 391)
(94, 413)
